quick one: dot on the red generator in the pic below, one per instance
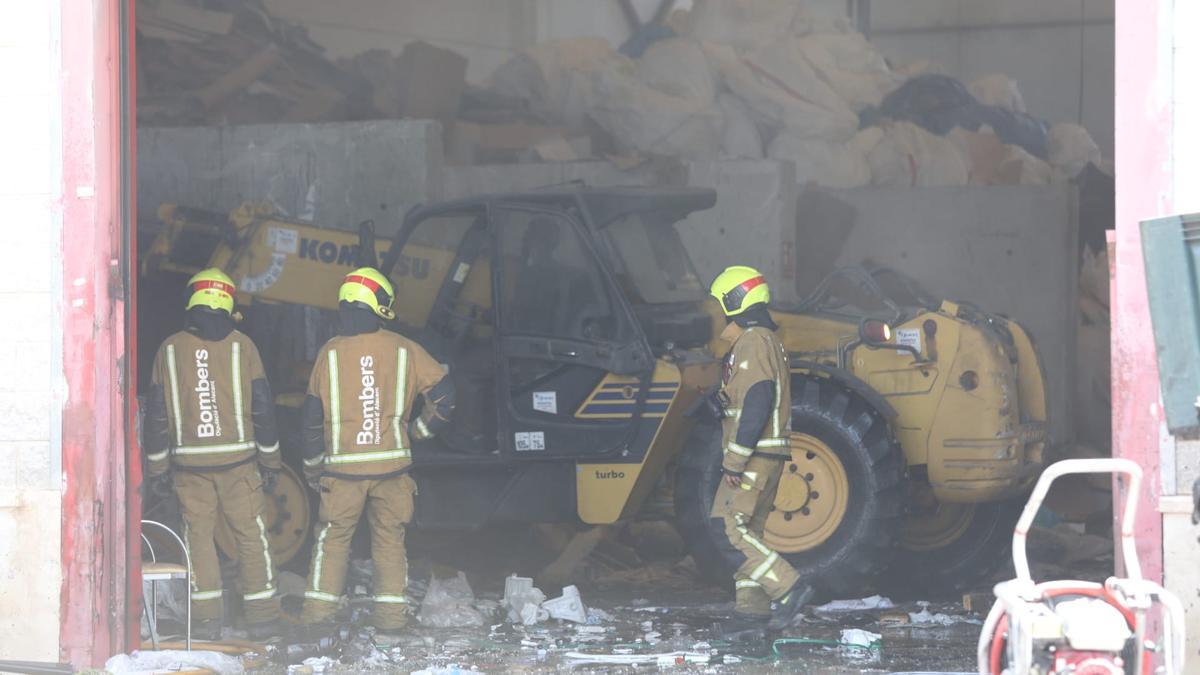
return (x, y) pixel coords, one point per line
(1081, 627)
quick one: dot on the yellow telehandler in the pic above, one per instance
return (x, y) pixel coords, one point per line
(582, 343)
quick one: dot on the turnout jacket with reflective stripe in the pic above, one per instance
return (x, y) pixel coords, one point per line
(210, 405)
(756, 390)
(360, 399)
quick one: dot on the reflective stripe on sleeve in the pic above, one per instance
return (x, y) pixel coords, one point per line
(171, 375)
(335, 404)
(401, 391)
(422, 429)
(206, 595)
(315, 461)
(391, 599)
(159, 456)
(774, 443)
(746, 583)
(733, 412)
(357, 457)
(215, 449)
(237, 391)
(739, 449)
(323, 597)
(268, 449)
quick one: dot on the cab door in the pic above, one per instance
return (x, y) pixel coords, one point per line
(562, 329)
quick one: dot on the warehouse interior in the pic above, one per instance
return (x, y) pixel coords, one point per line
(890, 157)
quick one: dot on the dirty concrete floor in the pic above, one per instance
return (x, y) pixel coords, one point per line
(659, 609)
(669, 611)
(650, 621)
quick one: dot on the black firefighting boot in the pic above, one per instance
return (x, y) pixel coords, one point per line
(742, 627)
(787, 607)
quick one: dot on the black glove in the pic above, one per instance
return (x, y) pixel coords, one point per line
(710, 405)
(314, 482)
(270, 478)
(162, 485)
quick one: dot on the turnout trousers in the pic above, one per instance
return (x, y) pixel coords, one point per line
(389, 506)
(235, 494)
(741, 513)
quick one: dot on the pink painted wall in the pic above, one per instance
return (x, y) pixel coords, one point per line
(1144, 138)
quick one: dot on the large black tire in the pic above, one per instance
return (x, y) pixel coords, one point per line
(862, 545)
(963, 563)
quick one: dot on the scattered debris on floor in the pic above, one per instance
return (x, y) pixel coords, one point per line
(864, 604)
(173, 660)
(449, 603)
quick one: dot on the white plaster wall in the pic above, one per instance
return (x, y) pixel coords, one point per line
(30, 452)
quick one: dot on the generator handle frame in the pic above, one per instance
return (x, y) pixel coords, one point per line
(1126, 467)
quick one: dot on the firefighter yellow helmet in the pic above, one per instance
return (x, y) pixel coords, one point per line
(213, 289)
(738, 288)
(368, 286)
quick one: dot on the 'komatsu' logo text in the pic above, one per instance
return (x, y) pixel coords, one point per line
(347, 255)
(369, 398)
(206, 393)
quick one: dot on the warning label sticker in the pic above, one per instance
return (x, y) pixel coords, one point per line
(545, 401)
(910, 337)
(530, 440)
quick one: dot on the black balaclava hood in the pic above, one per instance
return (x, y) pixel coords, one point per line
(355, 318)
(755, 315)
(208, 324)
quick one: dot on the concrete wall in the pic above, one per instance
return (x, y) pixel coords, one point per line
(1060, 52)
(334, 174)
(30, 358)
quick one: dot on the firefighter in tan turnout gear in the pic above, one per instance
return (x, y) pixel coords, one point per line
(755, 395)
(358, 424)
(210, 415)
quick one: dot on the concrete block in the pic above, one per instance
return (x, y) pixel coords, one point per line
(34, 465)
(753, 222)
(30, 574)
(26, 133)
(8, 467)
(30, 245)
(25, 366)
(333, 174)
(26, 416)
(466, 181)
(1181, 575)
(28, 315)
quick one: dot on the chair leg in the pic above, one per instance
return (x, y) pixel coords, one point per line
(151, 616)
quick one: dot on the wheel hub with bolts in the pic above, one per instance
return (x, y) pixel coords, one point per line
(812, 499)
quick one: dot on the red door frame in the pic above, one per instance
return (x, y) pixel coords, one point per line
(100, 509)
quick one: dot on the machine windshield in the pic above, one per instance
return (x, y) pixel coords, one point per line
(651, 262)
